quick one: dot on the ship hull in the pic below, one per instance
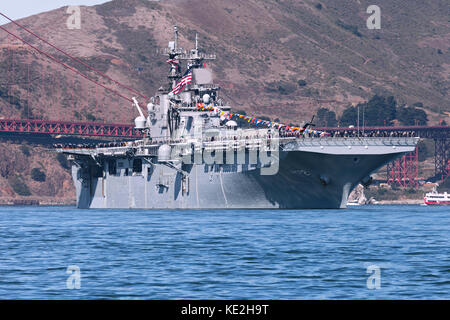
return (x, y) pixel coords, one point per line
(305, 180)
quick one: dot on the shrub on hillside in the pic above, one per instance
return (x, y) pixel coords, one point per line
(301, 83)
(378, 111)
(19, 186)
(326, 118)
(281, 87)
(444, 186)
(351, 28)
(25, 150)
(410, 116)
(349, 117)
(38, 175)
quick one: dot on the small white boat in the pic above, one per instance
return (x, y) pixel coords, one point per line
(353, 203)
(436, 198)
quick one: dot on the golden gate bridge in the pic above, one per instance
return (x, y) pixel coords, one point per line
(403, 172)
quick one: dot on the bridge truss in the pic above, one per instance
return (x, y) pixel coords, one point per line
(68, 128)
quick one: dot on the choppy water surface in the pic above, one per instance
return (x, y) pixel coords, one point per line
(243, 254)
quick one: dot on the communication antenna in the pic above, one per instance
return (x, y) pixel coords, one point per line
(176, 37)
(358, 120)
(309, 124)
(364, 122)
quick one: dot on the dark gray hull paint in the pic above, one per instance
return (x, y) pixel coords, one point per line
(306, 180)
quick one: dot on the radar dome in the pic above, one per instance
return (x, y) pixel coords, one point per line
(140, 122)
(206, 98)
(231, 124)
(164, 153)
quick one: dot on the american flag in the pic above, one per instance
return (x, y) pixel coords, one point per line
(187, 78)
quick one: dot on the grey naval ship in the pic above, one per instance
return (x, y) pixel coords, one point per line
(193, 155)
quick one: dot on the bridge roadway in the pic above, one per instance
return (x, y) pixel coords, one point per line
(68, 128)
(127, 130)
(440, 134)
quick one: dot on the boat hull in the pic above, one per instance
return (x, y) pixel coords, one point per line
(305, 180)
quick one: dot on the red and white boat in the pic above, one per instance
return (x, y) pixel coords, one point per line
(435, 198)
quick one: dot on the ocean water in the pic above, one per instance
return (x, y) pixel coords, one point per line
(367, 252)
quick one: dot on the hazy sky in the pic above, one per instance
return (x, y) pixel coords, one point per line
(16, 9)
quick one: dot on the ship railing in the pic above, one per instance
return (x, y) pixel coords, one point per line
(371, 141)
(238, 142)
(112, 151)
(260, 144)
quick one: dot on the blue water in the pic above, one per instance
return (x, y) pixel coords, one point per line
(244, 254)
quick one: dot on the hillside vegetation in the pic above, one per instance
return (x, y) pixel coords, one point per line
(277, 58)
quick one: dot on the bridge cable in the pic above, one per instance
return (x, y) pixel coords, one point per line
(66, 66)
(74, 58)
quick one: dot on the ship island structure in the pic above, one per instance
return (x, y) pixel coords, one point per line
(193, 155)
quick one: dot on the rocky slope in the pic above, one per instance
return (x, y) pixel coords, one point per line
(18, 184)
(264, 48)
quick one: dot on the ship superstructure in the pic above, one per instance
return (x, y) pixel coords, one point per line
(194, 155)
